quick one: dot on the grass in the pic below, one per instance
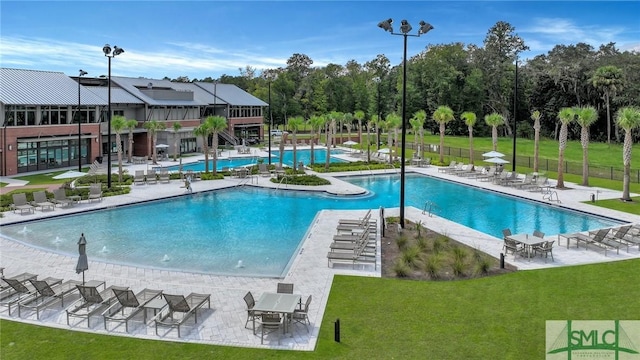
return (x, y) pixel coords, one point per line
(500, 317)
(631, 207)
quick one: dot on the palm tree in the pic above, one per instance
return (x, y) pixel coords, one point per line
(216, 124)
(609, 79)
(347, 121)
(176, 127)
(153, 127)
(316, 123)
(417, 124)
(469, 119)
(627, 118)
(335, 120)
(294, 124)
(130, 125)
(536, 116)
(203, 131)
(442, 116)
(331, 129)
(118, 123)
(391, 124)
(370, 124)
(359, 115)
(586, 116)
(494, 120)
(566, 116)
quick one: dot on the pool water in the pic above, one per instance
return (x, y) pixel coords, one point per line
(303, 155)
(257, 232)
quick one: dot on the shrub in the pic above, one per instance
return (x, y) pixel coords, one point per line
(401, 268)
(459, 253)
(419, 228)
(432, 266)
(422, 243)
(458, 267)
(483, 265)
(411, 255)
(306, 180)
(402, 242)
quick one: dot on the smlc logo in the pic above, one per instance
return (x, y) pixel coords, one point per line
(593, 339)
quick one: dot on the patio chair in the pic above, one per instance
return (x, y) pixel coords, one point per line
(285, 288)
(545, 248)
(271, 323)
(263, 170)
(138, 178)
(251, 314)
(538, 233)
(129, 305)
(60, 198)
(151, 177)
(514, 247)
(20, 203)
(95, 192)
(301, 315)
(46, 295)
(92, 302)
(505, 233)
(178, 304)
(20, 290)
(163, 176)
(40, 201)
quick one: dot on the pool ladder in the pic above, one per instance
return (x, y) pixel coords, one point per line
(551, 196)
(429, 206)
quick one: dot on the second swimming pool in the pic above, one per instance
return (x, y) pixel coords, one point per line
(257, 232)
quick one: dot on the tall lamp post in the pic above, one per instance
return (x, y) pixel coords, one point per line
(109, 54)
(405, 28)
(515, 115)
(269, 75)
(82, 73)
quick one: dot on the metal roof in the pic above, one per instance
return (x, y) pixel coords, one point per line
(118, 96)
(34, 87)
(231, 94)
(198, 93)
(132, 86)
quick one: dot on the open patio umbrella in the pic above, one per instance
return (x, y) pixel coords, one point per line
(162, 146)
(83, 263)
(384, 150)
(496, 160)
(350, 143)
(493, 154)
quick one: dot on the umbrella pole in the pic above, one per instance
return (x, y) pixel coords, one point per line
(83, 278)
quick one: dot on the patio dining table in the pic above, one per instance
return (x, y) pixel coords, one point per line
(284, 304)
(529, 241)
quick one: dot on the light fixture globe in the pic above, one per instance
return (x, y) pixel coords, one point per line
(82, 72)
(405, 28)
(386, 25)
(117, 50)
(424, 27)
(106, 49)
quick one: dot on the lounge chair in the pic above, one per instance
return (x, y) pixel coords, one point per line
(163, 176)
(178, 304)
(24, 277)
(138, 178)
(20, 203)
(129, 305)
(263, 170)
(355, 221)
(151, 177)
(95, 192)
(598, 238)
(21, 290)
(358, 255)
(279, 170)
(40, 201)
(92, 302)
(46, 295)
(352, 226)
(623, 234)
(60, 198)
(285, 288)
(452, 165)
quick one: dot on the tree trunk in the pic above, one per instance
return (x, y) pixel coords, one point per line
(153, 148)
(626, 159)
(441, 142)
(313, 137)
(215, 153)
(295, 164)
(584, 141)
(494, 137)
(118, 141)
(536, 144)
(563, 145)
(205, 147)
(130, 146)
(470, 145)
(606, 96)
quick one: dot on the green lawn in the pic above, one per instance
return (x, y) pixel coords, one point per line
(501, 317)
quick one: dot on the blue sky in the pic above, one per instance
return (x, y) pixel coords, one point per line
(210, 38)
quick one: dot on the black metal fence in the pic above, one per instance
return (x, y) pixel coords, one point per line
(602, 172)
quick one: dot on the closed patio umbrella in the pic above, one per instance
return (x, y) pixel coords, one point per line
(83, 263)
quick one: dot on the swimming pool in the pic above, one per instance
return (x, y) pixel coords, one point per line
(256, 232)
(303, 155)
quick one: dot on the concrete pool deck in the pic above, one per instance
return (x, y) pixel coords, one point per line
(224, 323)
